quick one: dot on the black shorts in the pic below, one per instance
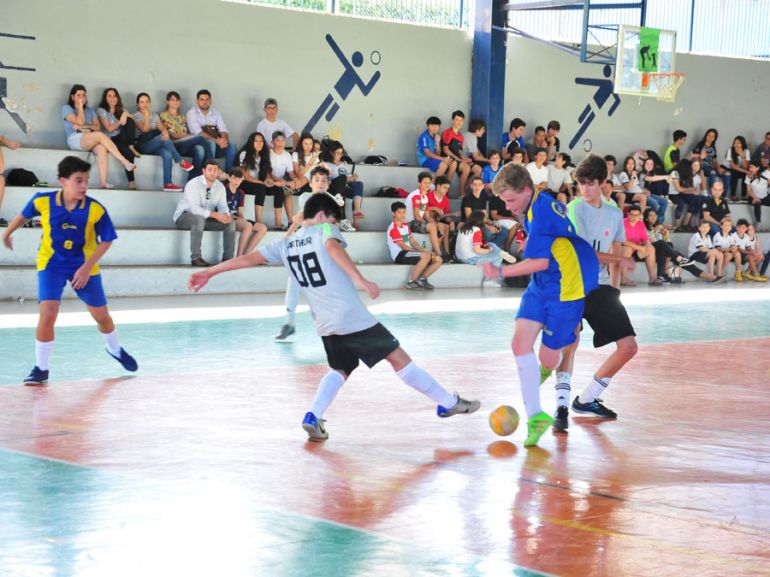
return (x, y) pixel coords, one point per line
(369, 345)
(701, 257)
(607, 316)
(407, 257)
(638, 258)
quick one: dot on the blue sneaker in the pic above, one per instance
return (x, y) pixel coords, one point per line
(462, 406)
(128, 362)
(314, 427)
(36, 377)
(595, 408)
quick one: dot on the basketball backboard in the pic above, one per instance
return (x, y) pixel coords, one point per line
(631, 54)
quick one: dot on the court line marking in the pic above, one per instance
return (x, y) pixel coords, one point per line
(187, 314)
(383, 536)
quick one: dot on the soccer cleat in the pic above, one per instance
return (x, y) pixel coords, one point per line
(595, 408)
(544, 374)
(462, 406)
(186, 166)
(738, 276)
(286, 331)
(414, 285)
(37, 377)
(316, 431)
(423, 282)
(128, 362)
(561, 419)
(536, 426)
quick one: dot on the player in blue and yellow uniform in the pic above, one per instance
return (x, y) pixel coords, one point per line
(77, 231)
(564, 270)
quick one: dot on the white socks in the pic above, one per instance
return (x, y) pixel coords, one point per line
(113, 342)
(43, 354)
(292, 298)
(327, 390)
(529, 377)
(562, 388)
(422, 381)
(594, 390)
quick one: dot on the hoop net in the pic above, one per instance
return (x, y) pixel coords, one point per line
(667, 84)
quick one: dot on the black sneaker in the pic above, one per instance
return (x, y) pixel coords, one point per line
(286, 331)
(665, 279)
(414, 285)
(684, 261)
(3, 222)
(423, 282)
(199, 262)
(561, 420)
(37, 377)
(595, 408)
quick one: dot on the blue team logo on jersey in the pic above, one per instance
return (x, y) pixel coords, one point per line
(345, 85)
(558, 208)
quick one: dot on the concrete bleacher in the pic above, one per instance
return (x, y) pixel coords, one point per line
(151, 257)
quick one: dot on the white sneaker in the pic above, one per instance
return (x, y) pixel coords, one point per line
(345, 226)
(507, 257)
(491, 283)
(339, 199)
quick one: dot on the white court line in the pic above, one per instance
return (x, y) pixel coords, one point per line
(170, 315)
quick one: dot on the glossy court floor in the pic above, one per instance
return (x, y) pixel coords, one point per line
(197, 466)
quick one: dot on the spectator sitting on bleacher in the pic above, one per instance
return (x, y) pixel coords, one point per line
(756, 187)
(672, 155)
(612, 189)
(537, 169)
(305, 159)
(724, 242)
(638, 246)
(476, 130)
(560, 178)
(405, 250)
(429, 151)
(13, 145)
(552, 139)
(762, 153)
(119, 126)
(736, 162)
(517, 157)
(682, 193)
(706, 152)
(154, 139)
(471, 248)
(271, 124)
(629, 179)
(748, 245)
(284, 182)
(715, 207)
(420, 220)
(203, 206)
(344, 182)
(666, 257)
(254, 161)
(538, 141)
(477, 202)
(702, 250)
(250, 233)
(438, 203)
(452, 143)
(514, 140)
(490, 171)
(208, 122)
(81, 126)
(185, 143)
(655, 184)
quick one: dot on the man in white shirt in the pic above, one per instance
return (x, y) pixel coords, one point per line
(271, 124)
(204, 207)
(208, 122)
(538, 170)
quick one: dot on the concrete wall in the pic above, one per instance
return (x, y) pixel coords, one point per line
(245, 53)
(242, 54)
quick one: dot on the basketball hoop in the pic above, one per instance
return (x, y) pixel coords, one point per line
(666, 84)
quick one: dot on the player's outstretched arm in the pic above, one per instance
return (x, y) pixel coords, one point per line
(529, 266)
(17, 222)
(343, 260)
(200, 279)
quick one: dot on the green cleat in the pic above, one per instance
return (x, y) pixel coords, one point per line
(544, 374)
(536, 426)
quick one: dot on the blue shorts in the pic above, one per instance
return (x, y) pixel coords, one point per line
(50, 285)
(559, 318)
(431, 164)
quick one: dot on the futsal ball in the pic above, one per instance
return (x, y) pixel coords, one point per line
(504, 420)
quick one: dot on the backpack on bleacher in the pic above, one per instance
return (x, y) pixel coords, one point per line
(21, 177)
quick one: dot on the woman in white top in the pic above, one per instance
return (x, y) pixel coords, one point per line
(305, 159)
(254, 160)
(634, 192)
(470, 247)
(737, 162)
(119, 126)
(154, 139)
(757, 189)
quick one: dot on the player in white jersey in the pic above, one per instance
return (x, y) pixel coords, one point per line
(316, 257)
(319, 182)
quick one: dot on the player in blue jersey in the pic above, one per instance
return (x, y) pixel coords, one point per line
(564, 270)
(77, 231)
(315, 256)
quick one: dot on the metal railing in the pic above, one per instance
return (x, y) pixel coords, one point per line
(444, 13)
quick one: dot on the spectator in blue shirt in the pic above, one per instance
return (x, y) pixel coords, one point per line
(429, 151)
